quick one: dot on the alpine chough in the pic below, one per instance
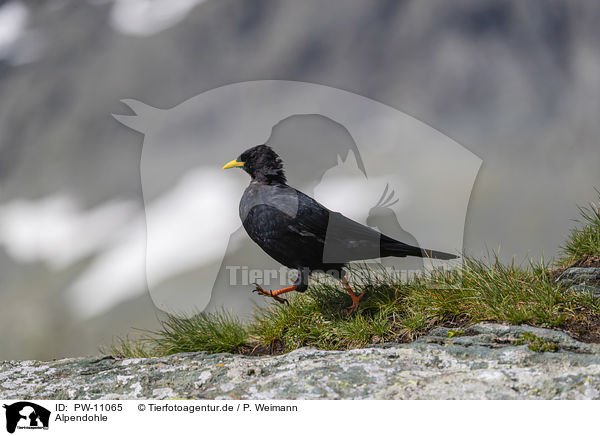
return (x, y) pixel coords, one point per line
(300, 233)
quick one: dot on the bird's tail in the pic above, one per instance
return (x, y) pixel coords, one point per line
(433, 254)
(399, 249)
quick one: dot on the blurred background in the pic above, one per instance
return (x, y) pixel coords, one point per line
(515, 83)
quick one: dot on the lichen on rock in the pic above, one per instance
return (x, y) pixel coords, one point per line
(485, 361)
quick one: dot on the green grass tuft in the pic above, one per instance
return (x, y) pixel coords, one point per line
(394, 310)
(128, 347)
(391, 311)
(584, 241)
(214, 333)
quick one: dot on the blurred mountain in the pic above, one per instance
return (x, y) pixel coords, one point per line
(517, 83)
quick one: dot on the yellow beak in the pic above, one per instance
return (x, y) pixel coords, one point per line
(234, 163)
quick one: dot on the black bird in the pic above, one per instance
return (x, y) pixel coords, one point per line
(300, 233)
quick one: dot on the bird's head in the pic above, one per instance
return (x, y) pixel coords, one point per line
(262, 163)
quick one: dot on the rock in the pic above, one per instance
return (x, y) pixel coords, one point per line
(485, 361)
(581, 280)
(585, 289)
(579, 275)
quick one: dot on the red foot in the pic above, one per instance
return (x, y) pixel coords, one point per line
(355, 300)
(273, 294)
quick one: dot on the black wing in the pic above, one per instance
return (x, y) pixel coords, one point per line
(347, 240)
(316, 237)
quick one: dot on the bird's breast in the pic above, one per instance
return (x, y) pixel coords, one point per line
(281, 198)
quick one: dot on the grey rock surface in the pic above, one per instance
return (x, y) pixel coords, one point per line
(485, 361)
(581, 280)
(579, 275)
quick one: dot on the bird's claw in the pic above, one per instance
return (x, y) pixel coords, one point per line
(260, 291)
(355, 300)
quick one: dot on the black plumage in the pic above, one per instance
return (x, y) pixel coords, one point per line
(300, 233)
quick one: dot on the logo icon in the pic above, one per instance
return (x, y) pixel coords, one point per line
(26, 415)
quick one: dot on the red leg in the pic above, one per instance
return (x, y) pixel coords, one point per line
(355, 299)
(274, 294)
